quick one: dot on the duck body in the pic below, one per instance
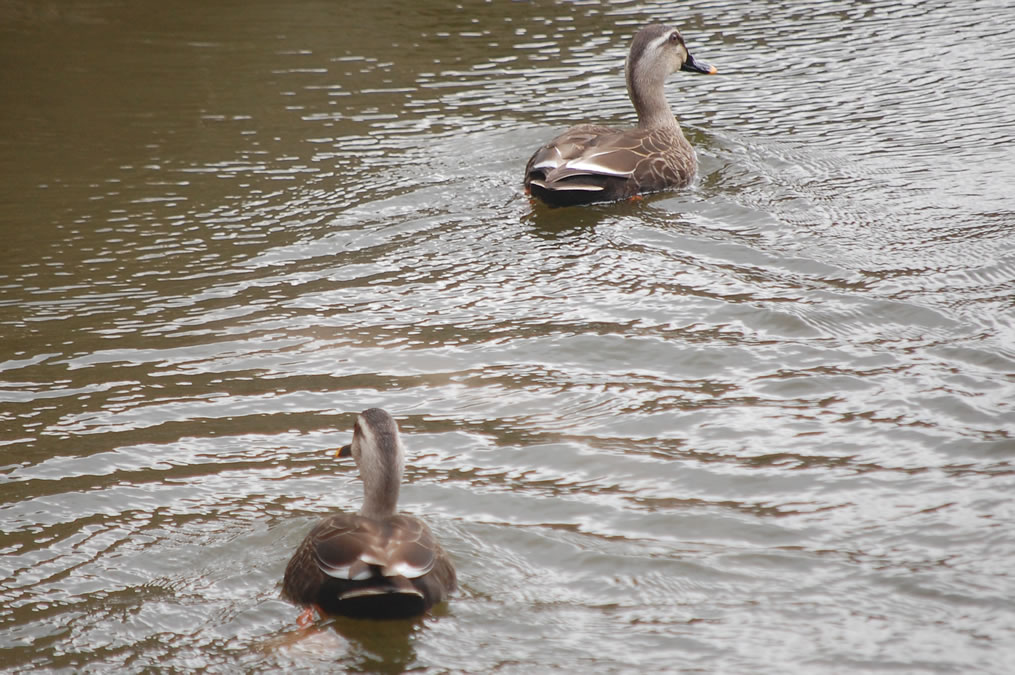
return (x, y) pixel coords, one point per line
(590, 163)
(366, 568)
(375, 564)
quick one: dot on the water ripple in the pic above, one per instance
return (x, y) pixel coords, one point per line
(777, 403)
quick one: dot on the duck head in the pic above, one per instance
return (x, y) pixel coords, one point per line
(657, 51)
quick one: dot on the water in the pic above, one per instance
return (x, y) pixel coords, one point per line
(764, 424)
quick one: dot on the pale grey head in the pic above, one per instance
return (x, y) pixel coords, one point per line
(657, 51)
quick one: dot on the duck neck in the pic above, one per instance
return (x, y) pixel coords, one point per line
(649, 98)
(382, 476)
(379, 503)
(380, 498)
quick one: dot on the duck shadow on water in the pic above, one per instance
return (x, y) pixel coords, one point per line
(552, 223)
(358, 645)
(378, 646)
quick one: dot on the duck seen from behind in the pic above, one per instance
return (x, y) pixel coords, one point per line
(375, 564)
(591, 163)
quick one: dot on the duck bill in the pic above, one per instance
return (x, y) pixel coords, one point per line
(344, 451)
(692, 65)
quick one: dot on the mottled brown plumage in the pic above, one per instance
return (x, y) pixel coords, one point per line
(375, 563)
(591, 163)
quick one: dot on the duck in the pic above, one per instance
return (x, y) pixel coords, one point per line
(377, 563)
(590, 163)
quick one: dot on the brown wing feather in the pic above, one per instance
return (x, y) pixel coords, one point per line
(349, 564)
(343, 545)
(591, 163)
(567, 146)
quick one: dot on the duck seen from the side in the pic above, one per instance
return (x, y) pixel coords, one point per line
(591, 163)
(375, 564)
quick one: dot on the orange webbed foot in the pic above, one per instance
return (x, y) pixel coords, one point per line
(308, 616)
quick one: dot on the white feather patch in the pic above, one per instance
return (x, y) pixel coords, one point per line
(560, 187)
(658, 42)
(547, 164)
(344, 573)
(589, 165)
(404, 569)
(551, 162)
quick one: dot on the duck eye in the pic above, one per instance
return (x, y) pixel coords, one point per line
(674, 37)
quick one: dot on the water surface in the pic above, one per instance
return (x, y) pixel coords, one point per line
(764, 424)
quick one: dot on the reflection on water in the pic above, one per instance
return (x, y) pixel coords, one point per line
(359, 646)
(763, 424)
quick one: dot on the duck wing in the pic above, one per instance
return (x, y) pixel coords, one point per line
(357, 548)
(590, 163)
(358, 566)
(568, 150)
